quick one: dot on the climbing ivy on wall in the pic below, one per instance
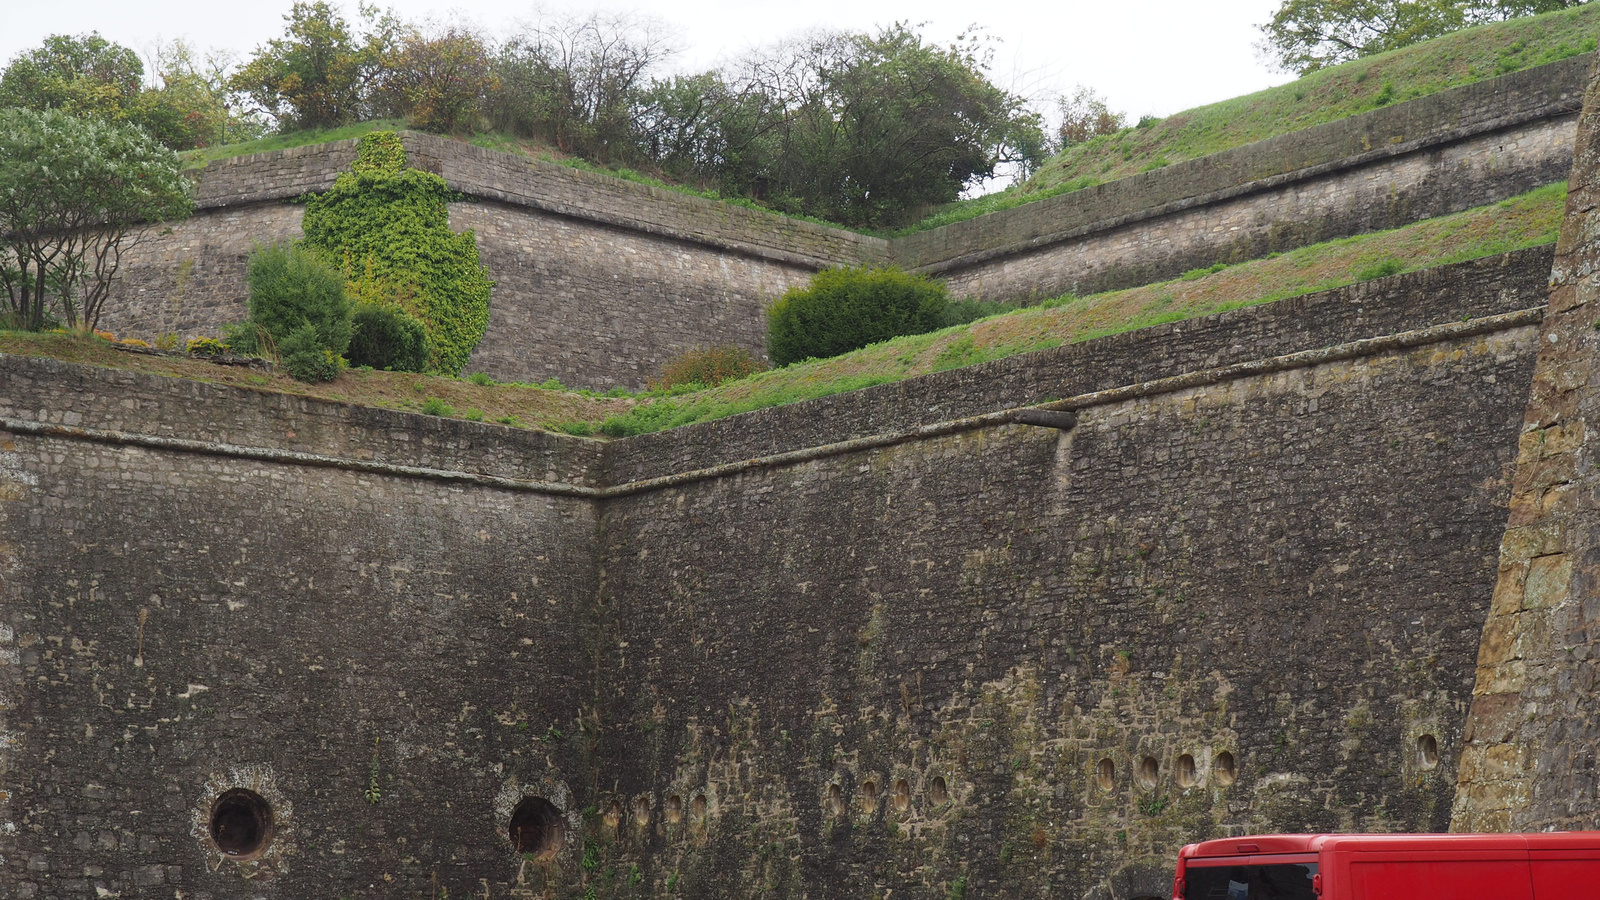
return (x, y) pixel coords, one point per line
(388, 227)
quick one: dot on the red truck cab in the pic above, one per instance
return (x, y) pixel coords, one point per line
(1548, 866)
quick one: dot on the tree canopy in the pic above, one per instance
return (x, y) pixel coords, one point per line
(75, 194)
(865, 129)
(1306, 35)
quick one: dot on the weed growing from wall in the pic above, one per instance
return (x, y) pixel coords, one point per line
(389, 227)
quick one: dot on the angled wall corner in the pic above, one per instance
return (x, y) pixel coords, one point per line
(1528, 761)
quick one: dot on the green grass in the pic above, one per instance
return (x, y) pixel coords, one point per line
(194, 159)
(1464, 57)
(1530, 220)
(503, 143)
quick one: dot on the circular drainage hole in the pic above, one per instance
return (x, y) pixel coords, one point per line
(241, 823)
(537, 829)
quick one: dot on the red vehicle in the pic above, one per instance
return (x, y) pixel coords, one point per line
(1550, 866)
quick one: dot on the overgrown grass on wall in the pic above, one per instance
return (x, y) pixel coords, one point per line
(1464, 57)
(1529, 220)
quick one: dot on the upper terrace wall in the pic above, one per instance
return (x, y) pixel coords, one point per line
(600, 281)
(1438, 154)
(203, 587)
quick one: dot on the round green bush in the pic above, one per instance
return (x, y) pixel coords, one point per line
(307, 358)
(848, 308)
(291, 288)
(385, 337)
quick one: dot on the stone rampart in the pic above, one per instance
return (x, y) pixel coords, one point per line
(600, 280)
(985, 656)
(1428, 157)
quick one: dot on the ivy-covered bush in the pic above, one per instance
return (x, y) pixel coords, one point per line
(847, 308)
(388, 226)
(386, 337)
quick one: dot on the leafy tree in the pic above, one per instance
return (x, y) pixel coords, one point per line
(190, 107)
(319, 74)
(1084, 115)
(864, 129)
(75, 195)
(440, 82)
(1307, 35)
(85, 75)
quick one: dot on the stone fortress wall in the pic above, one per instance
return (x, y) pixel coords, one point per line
(858, 645)
(1018, 630)
(599, 281)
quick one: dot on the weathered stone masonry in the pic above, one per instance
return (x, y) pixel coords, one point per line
(600, 281)
(844, 651)
(1017, 630)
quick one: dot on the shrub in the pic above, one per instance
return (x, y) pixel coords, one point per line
(433, 406)
(247, 339)
(1381, 269)
(709, 366)
(307, 357)
(289, 289)
(847, 308)
(386, 337)
(204, 346)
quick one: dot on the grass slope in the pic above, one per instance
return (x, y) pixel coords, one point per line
(1529, 220)
(527, 406)
(1463, 57)
(1525, 221)
(195, 159)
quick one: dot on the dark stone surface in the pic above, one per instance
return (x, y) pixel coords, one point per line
(1291, 568)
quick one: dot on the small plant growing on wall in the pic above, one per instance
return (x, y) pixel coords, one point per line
(388, 227)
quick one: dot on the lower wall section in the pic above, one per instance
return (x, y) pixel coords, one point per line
(1011, 662)
(1030, 663)
(389, 664)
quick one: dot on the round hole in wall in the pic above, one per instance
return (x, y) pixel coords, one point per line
(1105, 774)
(835, 800)
(537, 828)
(869, 796)
(902, 796)
(641, 811)
(1223, 768)
(938, 791)
(697, 807)
(241, 823)
(1184, 771)
(1427, 752)
(674, 809)
(613, 815)
(1149, 772)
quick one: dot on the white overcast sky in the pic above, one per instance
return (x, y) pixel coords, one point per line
(1145, 56)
